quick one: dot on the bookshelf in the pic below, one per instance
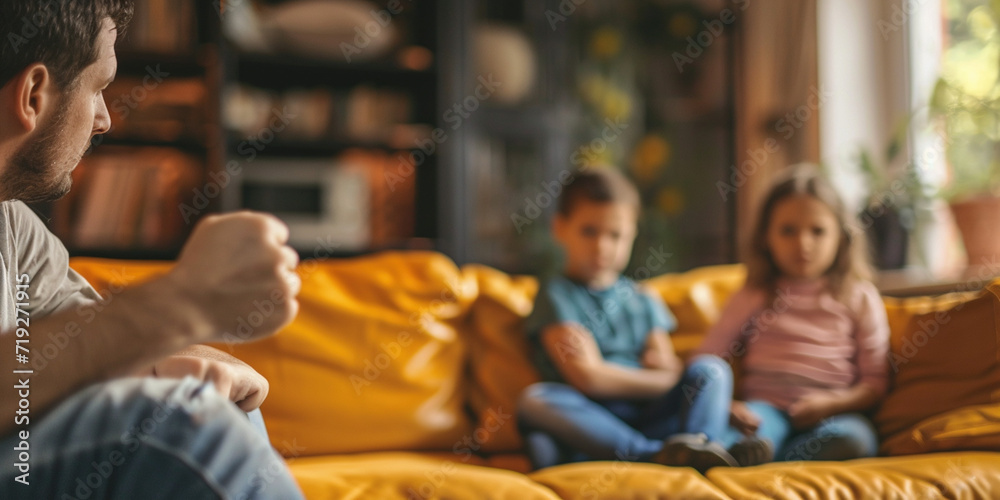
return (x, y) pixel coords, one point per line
(335, 142)
(201, 123)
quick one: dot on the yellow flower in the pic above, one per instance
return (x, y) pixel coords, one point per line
(649, 157)
(605, 43)
(592, 87)
(616, 105)
(981, 23)
(670, 200)
(681, 26)
(594, 157)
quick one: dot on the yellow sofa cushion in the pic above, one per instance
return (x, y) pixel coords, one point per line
(411, 476)
(626, 480)
(943, 356)
(696, 298)
(946, 475)
(970, 428)
(374, 360)
(498, 360)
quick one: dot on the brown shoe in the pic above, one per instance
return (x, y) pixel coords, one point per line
(752, 451)
(693, 450)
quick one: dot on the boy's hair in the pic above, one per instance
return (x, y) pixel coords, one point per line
(598, 185)
(851, 262)
(61, 34)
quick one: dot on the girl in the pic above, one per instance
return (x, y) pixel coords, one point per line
(811, 329)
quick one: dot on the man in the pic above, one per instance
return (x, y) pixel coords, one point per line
(85, 426)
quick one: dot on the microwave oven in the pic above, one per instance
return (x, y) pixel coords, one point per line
(325, 203)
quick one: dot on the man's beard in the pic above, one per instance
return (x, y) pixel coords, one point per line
(38, 171)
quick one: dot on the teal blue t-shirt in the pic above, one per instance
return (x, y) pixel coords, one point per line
(619, 317)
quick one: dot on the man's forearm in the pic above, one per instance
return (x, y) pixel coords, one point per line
(143, 324)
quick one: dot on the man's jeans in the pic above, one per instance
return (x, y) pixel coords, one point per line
(561, 424)
(146, 438)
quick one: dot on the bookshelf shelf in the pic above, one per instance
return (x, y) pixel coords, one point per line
(282, 71)
(187, 145)
(312, 148)
(173, 65)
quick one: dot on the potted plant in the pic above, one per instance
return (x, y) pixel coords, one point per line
(896, 206)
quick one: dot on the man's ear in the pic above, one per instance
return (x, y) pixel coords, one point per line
(32, 95)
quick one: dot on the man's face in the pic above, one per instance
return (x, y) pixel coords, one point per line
(42, 168)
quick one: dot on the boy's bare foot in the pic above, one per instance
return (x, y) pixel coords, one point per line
(693, 450)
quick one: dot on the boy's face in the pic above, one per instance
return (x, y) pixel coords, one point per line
(597, 239)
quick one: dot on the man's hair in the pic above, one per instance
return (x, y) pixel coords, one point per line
(851, 262)
(61, 34)
(598, 185)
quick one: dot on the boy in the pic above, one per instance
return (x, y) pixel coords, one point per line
(612, 386)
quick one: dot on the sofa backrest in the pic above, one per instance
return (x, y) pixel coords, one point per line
(944, 356)
(404, 351)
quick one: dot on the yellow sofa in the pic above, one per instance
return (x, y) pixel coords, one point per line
(400, 375)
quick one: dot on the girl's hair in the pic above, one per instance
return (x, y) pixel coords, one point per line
(851, 262)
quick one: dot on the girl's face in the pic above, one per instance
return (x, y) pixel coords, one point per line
(803, 236)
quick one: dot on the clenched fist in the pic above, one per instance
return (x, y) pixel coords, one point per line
(238, 275)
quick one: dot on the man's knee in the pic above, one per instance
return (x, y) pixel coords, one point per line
(130, 427)
(144, 404)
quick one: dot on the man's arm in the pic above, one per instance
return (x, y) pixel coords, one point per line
(229, 261)
(139, 327)
(578, 358)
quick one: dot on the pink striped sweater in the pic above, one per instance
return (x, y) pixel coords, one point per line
(802, 341)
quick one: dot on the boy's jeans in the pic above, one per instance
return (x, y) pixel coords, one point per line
(146, 438)
(840, 437)
(561, 424)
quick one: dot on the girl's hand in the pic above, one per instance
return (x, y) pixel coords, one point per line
(811, 409)
(743, 418)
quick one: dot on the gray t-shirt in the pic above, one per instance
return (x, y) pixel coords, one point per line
(27, 248)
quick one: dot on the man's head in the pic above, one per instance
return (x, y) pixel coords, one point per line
(596, 224)
(56, 58)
